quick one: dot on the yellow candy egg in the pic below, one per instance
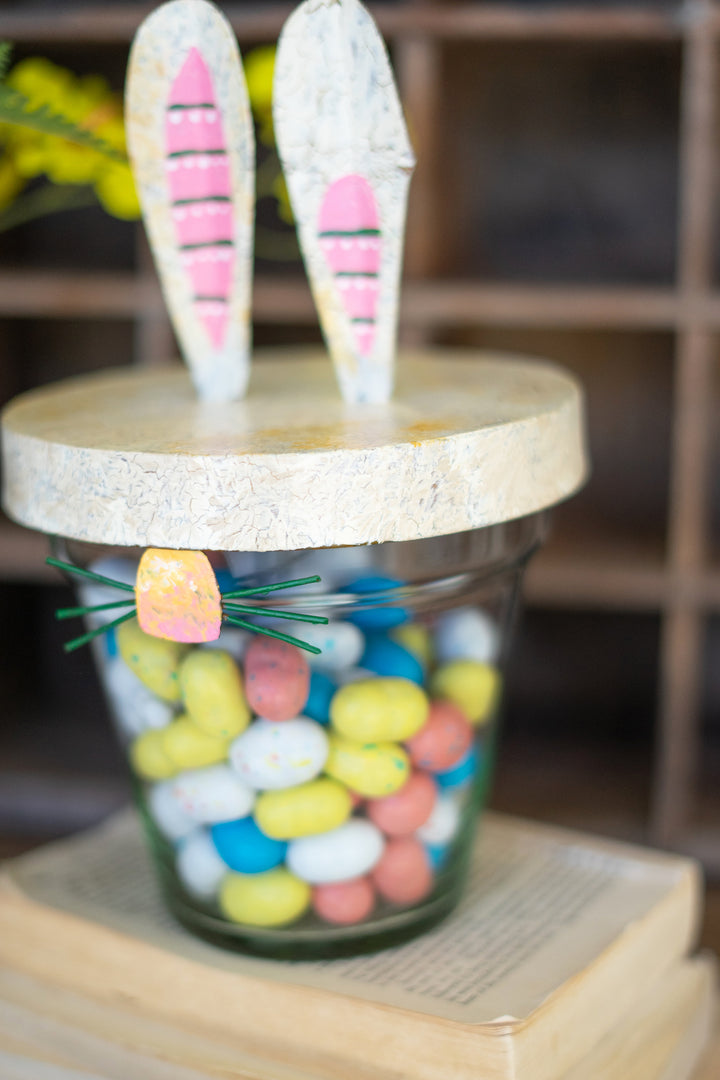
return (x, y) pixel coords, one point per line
(473, 686)
(370, 769)
(315, 807)
(374, 710)
(274, 898)
(417, 640)
(155, 661)
(149, 758)
(189, 747)
(212, 691)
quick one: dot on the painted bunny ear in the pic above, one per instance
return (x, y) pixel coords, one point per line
(348, 161)
(192, 147)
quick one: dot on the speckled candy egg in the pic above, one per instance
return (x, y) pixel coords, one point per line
(155, 661)
(213, 794)
(134, 706)
(417, 639)
(472, 686)
(370, 769)
(269, 756)
(387, 657)
(405, 811)
(317, 706)
(344, 902)
(212, 691)
(275, 898)
(199, 866)
(384, 709)
(461, 773)
(311, 808)
(443, 740)
(339, 855)
(341, 645)
(403, 875)
(149, 758)
(167, 813)
(277, 678)
(188, 747)
(378, 616)
(246, 849)
(443, 823)
(467, 634)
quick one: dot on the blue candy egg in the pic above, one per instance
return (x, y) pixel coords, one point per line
(226, 582)
(437, 854)
(387, 657)
(317, 706)
(461, 772)
(111, 648)
(245, 848)
(377, 618)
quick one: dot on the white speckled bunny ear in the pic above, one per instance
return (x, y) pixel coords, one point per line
(192, 147)
(348, 161)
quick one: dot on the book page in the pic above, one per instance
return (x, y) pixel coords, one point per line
(540, 906)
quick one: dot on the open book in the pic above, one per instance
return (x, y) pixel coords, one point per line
(560, 939)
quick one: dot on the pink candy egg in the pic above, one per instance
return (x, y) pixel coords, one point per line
(344, 902)
(405, 811)
(277, 679)
(403, 874)
(444, 738)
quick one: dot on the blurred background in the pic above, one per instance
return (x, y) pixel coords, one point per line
(563, 207)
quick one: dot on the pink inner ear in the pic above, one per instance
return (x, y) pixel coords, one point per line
(349, 233)
(200, 193)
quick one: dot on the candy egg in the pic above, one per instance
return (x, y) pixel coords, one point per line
(213, 794)
(167, 813)
(277, 678)
(245, 848)
(405, 811)
(353, 674)
(155, 661)
(188, 747)
(403, 874)
(275, 898)
(149, 758)
(443, 740)
(387, 657)
(462, 772)
(466, 634)
(134, 707)
(199, 866)
(334, 565)
(344, 902)
(212, 692)
(379, 709)
(370, 769)
(437, 854)
(416, 639)
(316, 807)
(339, 855)
(443, 823)
(472, 686)
(380, 617)
(93, 593)
(271, 756)
(317, 706)
(341, 645)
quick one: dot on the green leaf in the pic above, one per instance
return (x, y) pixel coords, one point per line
(15, 109)
(5, 54)
(43, 201)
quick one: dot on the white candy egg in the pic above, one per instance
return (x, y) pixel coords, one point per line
(231, 640)
(467, 634)
(213, 794)
(355, 674)
(92, 592)
(443, 823)
(334, 565)
(342, 645)
(134, 706)
(167, 813)
(199, 866)
(347, 852)
(270, 755)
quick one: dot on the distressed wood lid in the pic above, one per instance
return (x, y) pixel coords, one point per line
(131, 457)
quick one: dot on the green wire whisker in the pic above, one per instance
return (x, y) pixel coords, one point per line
(246, 609)
(259, 590)
(70, 569)
(243, 624)
(70, 646)
(77, 612)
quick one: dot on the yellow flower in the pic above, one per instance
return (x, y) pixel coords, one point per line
(259, 71)
(116, 191)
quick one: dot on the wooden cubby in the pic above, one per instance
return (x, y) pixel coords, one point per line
(648, 326)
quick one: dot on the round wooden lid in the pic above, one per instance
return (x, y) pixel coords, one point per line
(131, 457)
